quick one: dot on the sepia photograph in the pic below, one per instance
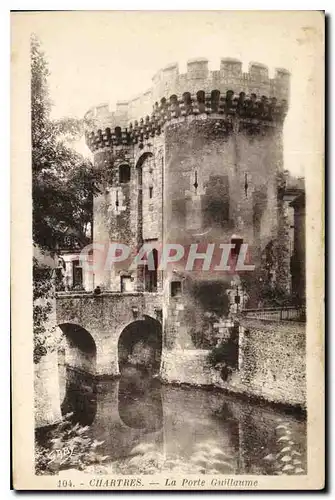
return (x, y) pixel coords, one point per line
(173, 181)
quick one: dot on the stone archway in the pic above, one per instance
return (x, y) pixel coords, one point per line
(80, 348)
(77, 368)
(140, 346)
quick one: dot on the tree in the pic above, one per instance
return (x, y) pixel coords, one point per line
(63, 180)
(63, 186)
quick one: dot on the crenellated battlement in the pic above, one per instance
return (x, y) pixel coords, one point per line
(242, 112)
(102, 116)
(169, 81)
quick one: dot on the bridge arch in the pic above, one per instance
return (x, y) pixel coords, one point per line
(77, 369)
(140, 346)
(79, 348)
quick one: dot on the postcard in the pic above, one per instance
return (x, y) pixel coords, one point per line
(168, 250)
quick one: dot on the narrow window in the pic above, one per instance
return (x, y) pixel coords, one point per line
(126, 284)
(150, 276)
(77, 274)
(150, 191)
(124, 174)
(175, 288)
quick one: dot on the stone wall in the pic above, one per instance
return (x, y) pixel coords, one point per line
(47, 390)
(129, 213)
(46, 382)
(216, 185)
(149, 160)
(114, 214)
(187, 366)
(274, 360)
(271, 364)
(299, 254)
(152, 196)
(202, 152)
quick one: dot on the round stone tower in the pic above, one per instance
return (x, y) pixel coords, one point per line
(195, 160)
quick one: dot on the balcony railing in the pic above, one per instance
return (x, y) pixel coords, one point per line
(288, 313)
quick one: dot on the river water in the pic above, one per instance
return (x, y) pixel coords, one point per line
(146, 427)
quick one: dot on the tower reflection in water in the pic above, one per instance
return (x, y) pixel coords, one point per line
(80, 398)
(149, 428)
(122, 413)
(140, 401)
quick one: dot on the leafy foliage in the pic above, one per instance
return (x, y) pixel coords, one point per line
(289, 460)
(220, 358)
(224, 356)
(43, 295)
(64, 181)
(205, 337)
(267, 290)
(67, 446)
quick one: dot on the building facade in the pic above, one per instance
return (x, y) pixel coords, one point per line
(197, 159)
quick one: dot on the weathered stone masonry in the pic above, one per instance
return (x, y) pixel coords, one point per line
(195, 159)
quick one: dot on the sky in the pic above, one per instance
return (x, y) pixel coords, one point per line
(97, 57)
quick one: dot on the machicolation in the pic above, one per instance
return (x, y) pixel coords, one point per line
(242, 100)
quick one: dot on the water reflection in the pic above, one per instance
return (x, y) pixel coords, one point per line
(140, 401)
(148, 428)
(80, 397)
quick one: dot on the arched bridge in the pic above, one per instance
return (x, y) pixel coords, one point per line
(105, 317)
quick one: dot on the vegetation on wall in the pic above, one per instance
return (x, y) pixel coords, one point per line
(223, 357)
(264, 287)
(43, 296)
(204, 337)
